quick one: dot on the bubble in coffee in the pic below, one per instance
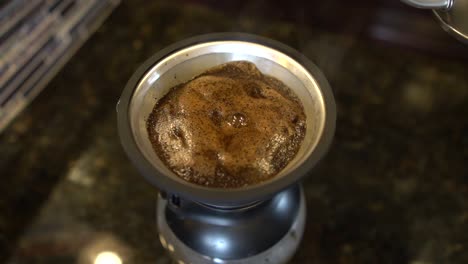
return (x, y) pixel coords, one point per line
(229, 127)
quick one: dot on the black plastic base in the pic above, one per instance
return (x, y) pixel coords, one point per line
(267, 232)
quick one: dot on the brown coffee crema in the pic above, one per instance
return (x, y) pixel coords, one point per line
(228, 127)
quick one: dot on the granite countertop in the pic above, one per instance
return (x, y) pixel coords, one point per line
(392, 189)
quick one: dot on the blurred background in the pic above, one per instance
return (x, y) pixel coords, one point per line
(393, 188)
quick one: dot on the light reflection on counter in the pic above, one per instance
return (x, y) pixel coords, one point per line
(108, 257)
(105, 249)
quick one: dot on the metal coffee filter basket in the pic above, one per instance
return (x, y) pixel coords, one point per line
(183, 61)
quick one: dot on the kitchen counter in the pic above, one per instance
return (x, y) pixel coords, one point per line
(392, 189)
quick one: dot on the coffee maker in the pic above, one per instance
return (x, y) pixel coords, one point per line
(261, 223)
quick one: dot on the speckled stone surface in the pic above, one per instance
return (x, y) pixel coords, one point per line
(392, 189)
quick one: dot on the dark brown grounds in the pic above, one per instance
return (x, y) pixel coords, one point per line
(229, 127)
